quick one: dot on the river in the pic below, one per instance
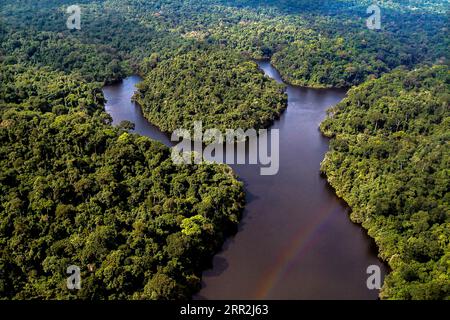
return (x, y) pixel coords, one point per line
(295, 240)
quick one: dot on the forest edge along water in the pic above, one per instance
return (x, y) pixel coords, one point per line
(295, 240)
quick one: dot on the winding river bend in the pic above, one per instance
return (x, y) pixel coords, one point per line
(295, 240)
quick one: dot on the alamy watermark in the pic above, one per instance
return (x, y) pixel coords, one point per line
(374, 21)
(374, 280)
(74, 20)
(234, 146)
(74, 280)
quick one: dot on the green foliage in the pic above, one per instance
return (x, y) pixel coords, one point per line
(76, 191)
(390, 161)
(217, 87)
(312, 43)
(31, 89)
(110, 45)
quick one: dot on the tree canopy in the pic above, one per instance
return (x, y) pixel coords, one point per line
(77, 191)
(217, 87)
(389, 160)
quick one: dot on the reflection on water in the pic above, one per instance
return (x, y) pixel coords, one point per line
(295, 240)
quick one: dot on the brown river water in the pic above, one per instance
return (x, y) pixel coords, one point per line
(295, 240)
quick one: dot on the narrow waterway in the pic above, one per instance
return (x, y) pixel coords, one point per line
(295, 240)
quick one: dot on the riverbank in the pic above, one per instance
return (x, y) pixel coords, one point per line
(295, 240)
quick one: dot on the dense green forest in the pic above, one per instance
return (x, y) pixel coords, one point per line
(312, 43)
(390, 160)
(77, 191)
(217, 87)
(107, 48)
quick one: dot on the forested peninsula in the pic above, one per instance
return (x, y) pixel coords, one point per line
(75, 189)
(217, 87)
